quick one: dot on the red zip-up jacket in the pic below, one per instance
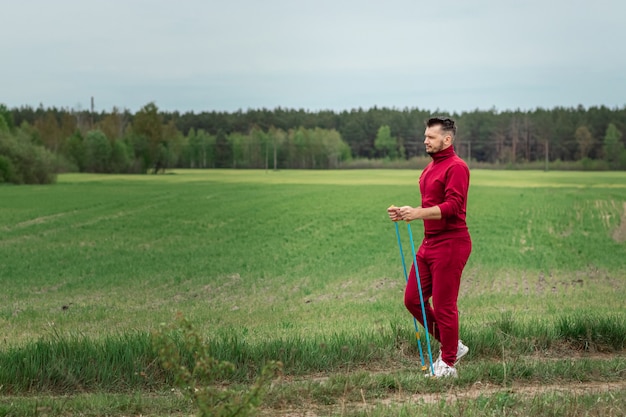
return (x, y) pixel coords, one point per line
(444, 183)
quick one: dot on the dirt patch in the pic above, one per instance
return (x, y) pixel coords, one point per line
(619, 233)
(531, 390)
(523, 390)
(476, 391)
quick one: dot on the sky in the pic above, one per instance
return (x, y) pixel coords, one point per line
(230, 55)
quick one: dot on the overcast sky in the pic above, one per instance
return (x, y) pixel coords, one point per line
(197, 55)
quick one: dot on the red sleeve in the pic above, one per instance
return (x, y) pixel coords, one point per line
(455, 193)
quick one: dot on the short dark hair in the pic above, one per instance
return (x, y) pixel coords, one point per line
(447, 124)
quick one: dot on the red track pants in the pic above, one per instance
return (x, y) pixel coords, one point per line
(440, 264)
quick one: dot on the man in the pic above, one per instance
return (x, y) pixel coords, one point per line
(446, 246)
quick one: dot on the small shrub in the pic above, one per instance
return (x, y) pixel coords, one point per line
(28, 163)
(198, 378)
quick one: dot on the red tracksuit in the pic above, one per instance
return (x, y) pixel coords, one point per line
(444, 250)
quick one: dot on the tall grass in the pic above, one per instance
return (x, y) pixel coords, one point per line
(77, 364)
(129, 362)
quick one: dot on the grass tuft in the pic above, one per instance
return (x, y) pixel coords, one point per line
(593, 333)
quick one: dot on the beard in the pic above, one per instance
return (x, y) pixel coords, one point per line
(433, 150)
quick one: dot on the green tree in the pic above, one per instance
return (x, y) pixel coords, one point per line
(584, 139)
(192, 150)
(138, 145)
(613, 147)
(479, 128)
(148, 126)
(238, 142)
(201, 149)
(257, 148)
(74, 150)
(4, 126)
(97, 152)
(277, 138)
(223, 150)
(49, 131)
(113, 125)
(335, 149)
(7, 170)
(386, 143)
(300, 142)
(173, 143)
(353, 132)
(6, 119)
(22, 161)
(120, 157)
(207, 143)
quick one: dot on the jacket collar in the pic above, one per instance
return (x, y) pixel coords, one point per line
(441, 155)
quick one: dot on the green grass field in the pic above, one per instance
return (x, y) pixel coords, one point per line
(308, 259)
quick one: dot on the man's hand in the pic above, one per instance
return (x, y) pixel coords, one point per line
(408, 213)
(394, 213)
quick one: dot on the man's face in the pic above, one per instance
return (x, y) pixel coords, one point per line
(436, 140)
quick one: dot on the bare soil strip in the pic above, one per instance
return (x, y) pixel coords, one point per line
(454, 394)
(525, 389)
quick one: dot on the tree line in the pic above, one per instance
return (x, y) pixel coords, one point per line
(152, 140)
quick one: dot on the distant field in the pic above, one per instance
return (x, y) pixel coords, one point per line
(274, 252)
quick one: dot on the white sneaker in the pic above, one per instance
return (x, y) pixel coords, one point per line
(460, 352)
(443, 370)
